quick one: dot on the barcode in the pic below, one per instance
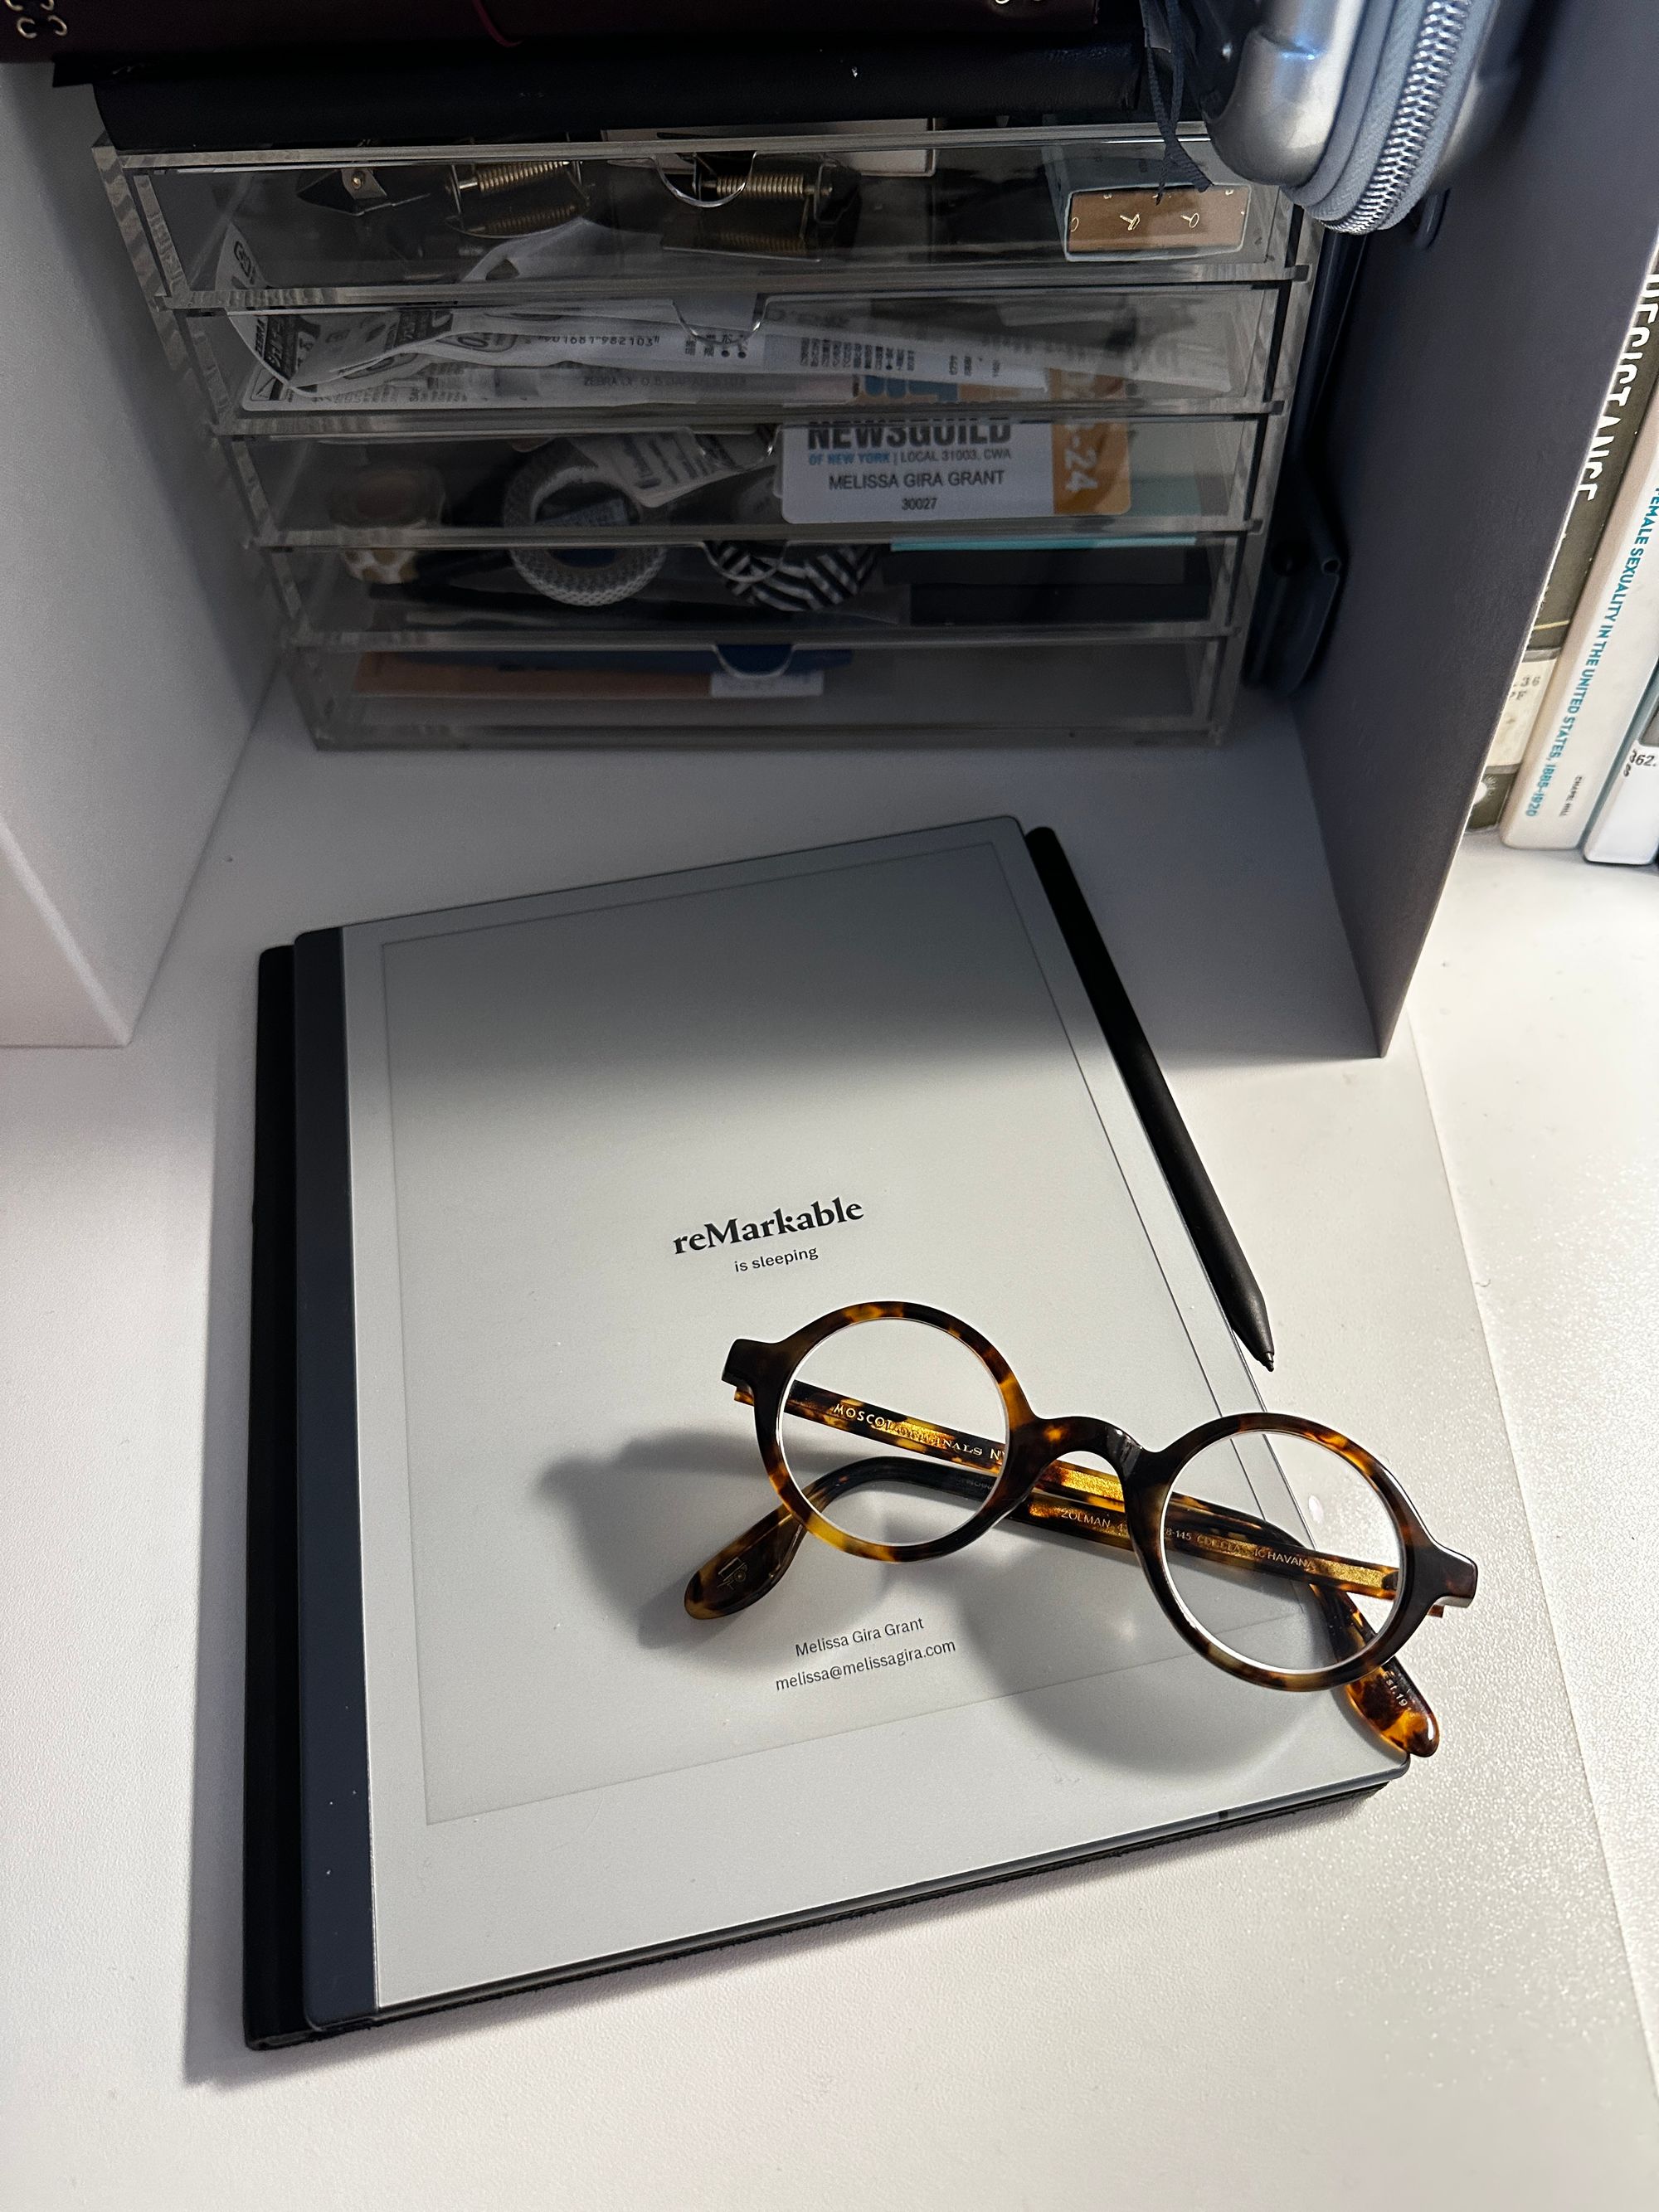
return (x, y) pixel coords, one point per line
(859, 354)
(723, 345)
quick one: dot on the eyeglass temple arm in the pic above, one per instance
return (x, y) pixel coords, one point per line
(1216, 1533)
(1386, 1701)
(1089, 1505)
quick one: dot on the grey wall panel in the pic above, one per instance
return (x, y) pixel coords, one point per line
(1473, 376)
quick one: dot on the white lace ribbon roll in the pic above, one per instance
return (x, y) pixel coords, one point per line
(576, 576)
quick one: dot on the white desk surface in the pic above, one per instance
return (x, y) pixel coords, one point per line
(1421, 2000)
(1536, 1014)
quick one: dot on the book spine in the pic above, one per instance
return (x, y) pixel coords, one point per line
(1623, 409)
(1625, 828)
(1511, 739)
(1608, 656)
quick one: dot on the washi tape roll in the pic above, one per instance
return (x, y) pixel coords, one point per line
(549, 488)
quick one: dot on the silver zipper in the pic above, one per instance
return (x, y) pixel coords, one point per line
(1440, 37)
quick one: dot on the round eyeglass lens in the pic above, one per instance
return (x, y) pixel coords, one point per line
(895, 1432)
(1281, 1551)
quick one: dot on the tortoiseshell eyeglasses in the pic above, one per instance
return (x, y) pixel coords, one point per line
(1282, 1550)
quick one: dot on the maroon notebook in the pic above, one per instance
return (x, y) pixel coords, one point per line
(49, 30)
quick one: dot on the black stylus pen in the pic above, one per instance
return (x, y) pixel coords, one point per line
(1211, 1232)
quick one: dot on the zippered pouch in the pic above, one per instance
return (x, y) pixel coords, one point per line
(1357, 109)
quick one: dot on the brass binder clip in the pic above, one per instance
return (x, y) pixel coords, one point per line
(746, 204)
(507, 199)
(359, 190)
(1133, 219)
(31, 17)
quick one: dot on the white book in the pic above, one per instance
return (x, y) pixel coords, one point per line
(1612, 443)
(1608, 655)
(1624, 827)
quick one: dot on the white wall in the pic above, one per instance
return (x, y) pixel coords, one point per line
(133, 646)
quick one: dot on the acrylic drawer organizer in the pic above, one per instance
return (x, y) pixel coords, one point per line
(487, 356)
(852, 696)
(945, 433)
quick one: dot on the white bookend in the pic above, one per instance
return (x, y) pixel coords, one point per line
(1624, 827)
(1608, 655)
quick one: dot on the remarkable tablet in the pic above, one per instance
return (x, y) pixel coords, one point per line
(549, 1159)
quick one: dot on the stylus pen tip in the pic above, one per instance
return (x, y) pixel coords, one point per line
(1258, 1335)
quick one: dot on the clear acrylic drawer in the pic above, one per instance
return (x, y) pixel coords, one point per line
(731, 591)
(482, 356)
(652, 212)
(954, 692)
(867, 479)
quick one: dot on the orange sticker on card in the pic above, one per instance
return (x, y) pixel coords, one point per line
(1091, 468)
